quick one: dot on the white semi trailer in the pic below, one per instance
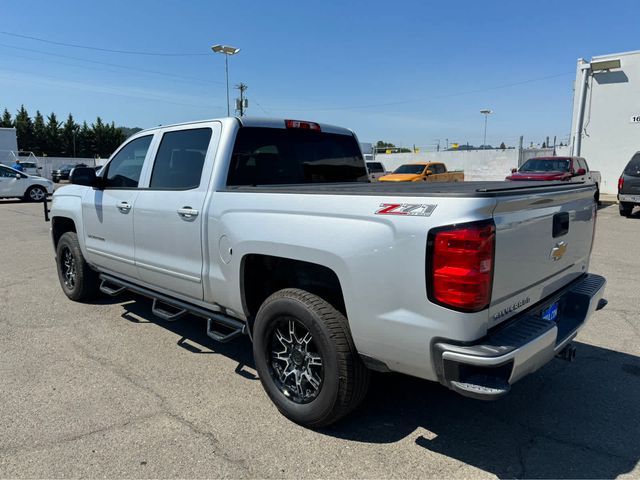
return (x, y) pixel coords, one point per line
(606, 114)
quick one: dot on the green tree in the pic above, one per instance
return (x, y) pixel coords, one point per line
(116, 136)
(503, 146)
(24, 129)
(85, 142)
(53, 145)
(39, 134)
(6, 120)
(68, 137)
(100, 137)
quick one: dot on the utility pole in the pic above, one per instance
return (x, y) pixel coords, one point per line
(241, 103)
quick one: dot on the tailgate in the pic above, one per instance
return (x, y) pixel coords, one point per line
(543, 242)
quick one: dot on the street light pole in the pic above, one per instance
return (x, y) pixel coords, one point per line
(226, 71)
(486, 114)
(226, 51)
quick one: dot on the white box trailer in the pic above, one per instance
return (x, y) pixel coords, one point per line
(8, 145)
(605, 127)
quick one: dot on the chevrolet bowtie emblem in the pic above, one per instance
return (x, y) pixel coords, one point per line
(558, 251)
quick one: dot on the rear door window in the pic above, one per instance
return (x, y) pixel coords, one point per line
(633, 167)
(180, 158)
(123, 171)
(274, 156)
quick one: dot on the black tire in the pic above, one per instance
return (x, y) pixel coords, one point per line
(596, 197)
(56, 180)
(35, 193)
(77, 279)
(344, 379)
(626, 209)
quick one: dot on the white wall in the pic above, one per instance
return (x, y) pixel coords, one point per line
(609, 138)
(477, 164)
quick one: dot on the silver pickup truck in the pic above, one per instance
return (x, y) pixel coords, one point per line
(271, 228)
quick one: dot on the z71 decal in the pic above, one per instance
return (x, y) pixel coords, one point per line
(412, 209)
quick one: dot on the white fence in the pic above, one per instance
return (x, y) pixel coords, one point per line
(477, 164)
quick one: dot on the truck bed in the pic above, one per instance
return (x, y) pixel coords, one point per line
(419, 189)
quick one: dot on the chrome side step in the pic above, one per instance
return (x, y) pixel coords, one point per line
(220, 327)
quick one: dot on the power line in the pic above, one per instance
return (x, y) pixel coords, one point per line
(437, 97)
(39, 79)
(99, 49)
(128, 68)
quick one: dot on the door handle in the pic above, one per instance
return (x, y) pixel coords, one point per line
(187, 212)
(124, 207)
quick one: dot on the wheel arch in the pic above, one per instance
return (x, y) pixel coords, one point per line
(60, 226)
(262, 275)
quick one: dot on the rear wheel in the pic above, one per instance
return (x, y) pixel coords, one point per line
(626, 209)
(306, 358)
(77, 279)
(35, 194)
(596, 197)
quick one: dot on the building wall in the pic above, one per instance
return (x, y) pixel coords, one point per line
(609, 137)
(477, 164)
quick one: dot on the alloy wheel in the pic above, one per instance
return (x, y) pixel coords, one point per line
(296, 365)
(68, 268)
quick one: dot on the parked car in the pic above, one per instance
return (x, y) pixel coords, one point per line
(31, 168)
(62, 173)
(376, 170)
(568, 169)
(243, 221)
(423, 172)
(15, 184)
(629, 186)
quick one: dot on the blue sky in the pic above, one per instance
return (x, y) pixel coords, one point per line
(408, 72)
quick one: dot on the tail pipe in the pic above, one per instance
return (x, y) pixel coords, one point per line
(568, 353)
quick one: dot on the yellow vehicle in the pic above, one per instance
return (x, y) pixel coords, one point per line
(423, 172)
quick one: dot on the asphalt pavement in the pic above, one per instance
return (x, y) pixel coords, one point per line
(107, 390)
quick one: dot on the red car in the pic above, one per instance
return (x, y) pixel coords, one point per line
(569, 169)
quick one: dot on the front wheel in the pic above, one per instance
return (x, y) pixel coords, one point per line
(306, 358)
(77, 279)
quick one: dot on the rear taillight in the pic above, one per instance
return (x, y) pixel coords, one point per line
(620, 183)
(460, 265)
(302, 124)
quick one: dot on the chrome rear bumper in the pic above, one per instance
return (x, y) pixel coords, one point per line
(487, 368)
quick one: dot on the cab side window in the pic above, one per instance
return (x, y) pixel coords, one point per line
(123, 171)
(180, 158)
(438, 168)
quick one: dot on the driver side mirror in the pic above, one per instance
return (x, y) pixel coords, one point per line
(514, 170)
(580, 172)
(428, 172)
(84, 176)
